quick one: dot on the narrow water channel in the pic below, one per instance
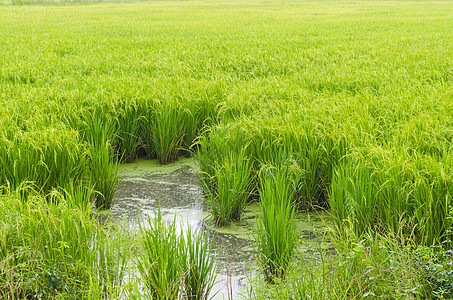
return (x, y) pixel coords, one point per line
(145, 185)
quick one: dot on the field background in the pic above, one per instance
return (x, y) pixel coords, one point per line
(348, 105)
(359, 78)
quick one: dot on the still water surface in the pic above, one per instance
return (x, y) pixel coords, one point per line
(145, 184)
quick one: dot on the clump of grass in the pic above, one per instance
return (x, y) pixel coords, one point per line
(130, 131)
(172, 265)
(354, 197)
(228, 190)
(104, 174)
(276, 232)
(200, 270)
(160, 262)
(165, 124)
(77, 195)
(103, 166)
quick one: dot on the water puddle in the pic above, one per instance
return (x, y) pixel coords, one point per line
(145, 185)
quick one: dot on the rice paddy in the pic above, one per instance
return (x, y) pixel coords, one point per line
(343, 106)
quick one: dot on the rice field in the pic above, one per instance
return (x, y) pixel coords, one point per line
(345, 106)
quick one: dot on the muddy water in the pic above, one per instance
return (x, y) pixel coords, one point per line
(145, 185)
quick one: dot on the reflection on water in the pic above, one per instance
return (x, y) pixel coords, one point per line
(145, 185)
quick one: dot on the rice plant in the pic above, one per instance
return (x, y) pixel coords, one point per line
(130, 131)
(433, 199)
(103, 167)
(353, 197)
(376, 187)
(230, 190)
(276, 232)
(160, 262)
(166, 126)
(199, 268)
(175, 265)
(51, 158)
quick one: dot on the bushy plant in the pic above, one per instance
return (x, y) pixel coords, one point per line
(99, 132)
(56, 248)
(375, 266)
(276, 232)
(165, 127)
(435, 265)
(228, 190)
(175, 265)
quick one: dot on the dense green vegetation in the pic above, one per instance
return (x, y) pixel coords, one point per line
(172, 262)
(353, 99)
(54, 249)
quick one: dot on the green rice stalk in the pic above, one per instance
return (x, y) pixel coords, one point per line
(231, 189)
(200, 270)
(166, 123)
(160, 262)
(276, 232)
